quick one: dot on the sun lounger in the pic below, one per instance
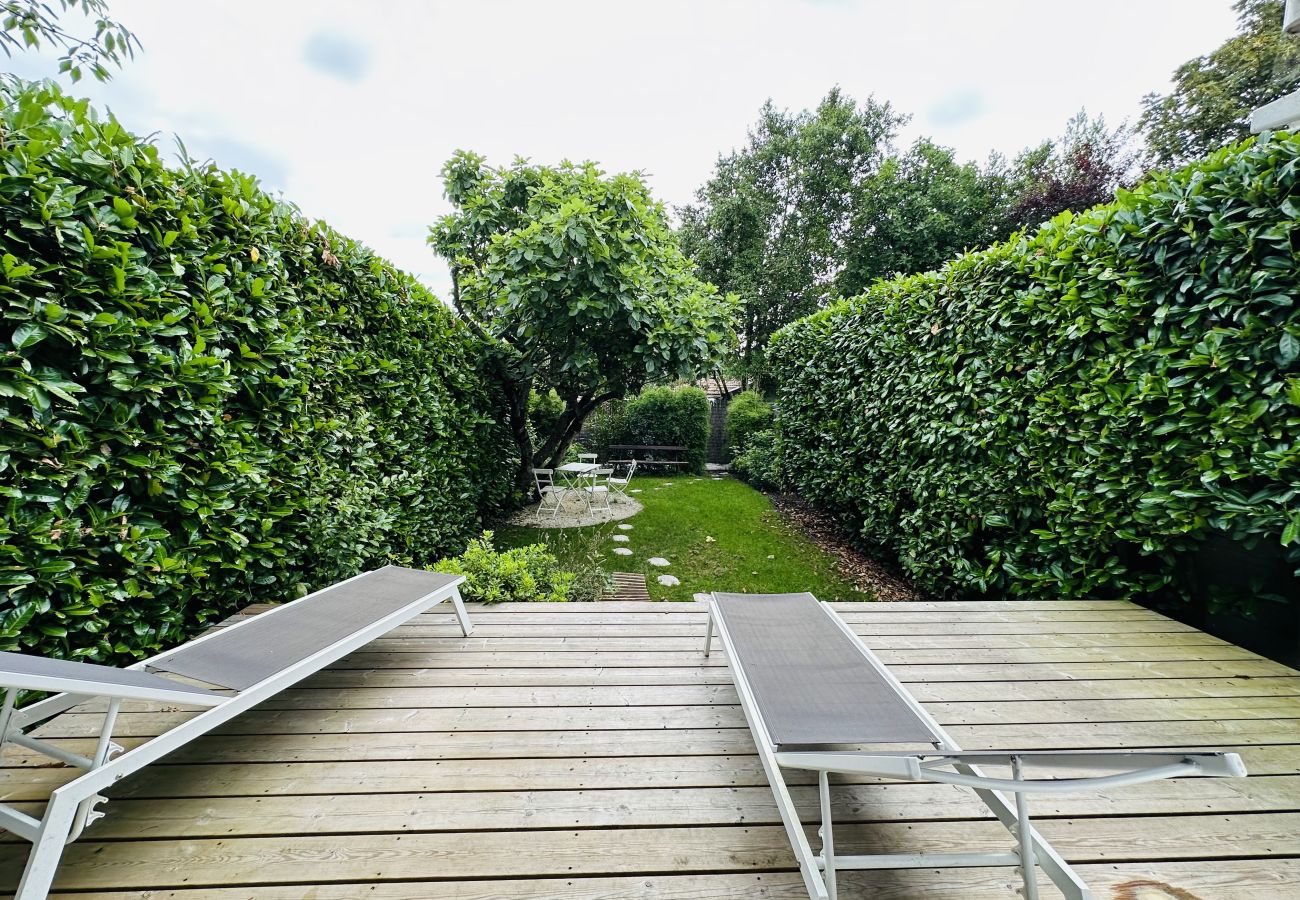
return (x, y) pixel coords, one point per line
(238, 667)
(817, 699)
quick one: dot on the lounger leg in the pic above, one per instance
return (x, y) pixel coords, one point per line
(828, 839)
(1028, 865)
(47, 849)
(708, 634)
(86, 812)
(466, 626)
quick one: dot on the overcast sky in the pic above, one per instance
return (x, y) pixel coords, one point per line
(350, 109)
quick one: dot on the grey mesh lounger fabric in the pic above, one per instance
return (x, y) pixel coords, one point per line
(814, 687)
(242, 657)
(253, 660)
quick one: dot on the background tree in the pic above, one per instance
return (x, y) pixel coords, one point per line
(770, 225)
(821, 204)
(1214, 94)
(578, 280)
(33, 24)
(1079, 170)
(920, 209)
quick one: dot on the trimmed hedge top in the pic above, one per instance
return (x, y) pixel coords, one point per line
(206, 399)
(1073, 413)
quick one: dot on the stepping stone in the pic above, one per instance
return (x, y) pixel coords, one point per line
(622, 551)
(700, 597)
(710, 539)
(621, 538)
(667, 483)
(625, 527)
(668, 581)
(658, 561)
(635, 491)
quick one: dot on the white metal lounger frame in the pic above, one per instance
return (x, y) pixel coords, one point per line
(72, 806)
(819, 869)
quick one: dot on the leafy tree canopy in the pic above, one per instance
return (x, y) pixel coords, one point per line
(821, 203)
(33, 24)
(772, 222)
(578, 279)
(1214, 94)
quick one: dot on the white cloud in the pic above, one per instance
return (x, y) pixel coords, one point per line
(661, 86)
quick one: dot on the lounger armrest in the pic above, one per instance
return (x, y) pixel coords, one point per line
(1139, 766)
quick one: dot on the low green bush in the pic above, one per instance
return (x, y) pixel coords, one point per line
(747, 413)
(759, 464)
(1074, 413)
(606, 426)
(670, 416)
(529, 573)
(206, 399)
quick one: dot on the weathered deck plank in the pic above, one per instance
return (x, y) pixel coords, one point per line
(578, 751)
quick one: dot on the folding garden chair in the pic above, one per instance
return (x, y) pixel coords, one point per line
(596, 490)
(619, 484)
(552, 495)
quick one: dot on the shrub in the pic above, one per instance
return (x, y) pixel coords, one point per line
(670, 416)
(606, 426)
(1072, 413)
(759, 463)
(206, 399)
(747, 413)
(523, 574)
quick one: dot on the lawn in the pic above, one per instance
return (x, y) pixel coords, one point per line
(718, 535)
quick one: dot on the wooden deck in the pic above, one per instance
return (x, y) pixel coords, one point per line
(587, 752)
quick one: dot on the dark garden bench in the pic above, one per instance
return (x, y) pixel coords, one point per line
(650, 455)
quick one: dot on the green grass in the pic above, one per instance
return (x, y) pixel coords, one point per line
(752, 548)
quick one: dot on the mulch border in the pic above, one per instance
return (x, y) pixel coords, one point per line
(866, 574)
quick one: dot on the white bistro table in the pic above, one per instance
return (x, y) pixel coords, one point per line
(573, 474)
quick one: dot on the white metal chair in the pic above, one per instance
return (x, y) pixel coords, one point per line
(596, 489)
(244, 664)
(586, 457)
(548, 490)
(619, 484)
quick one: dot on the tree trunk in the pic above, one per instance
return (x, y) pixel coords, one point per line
(517, 396)
(567, 428)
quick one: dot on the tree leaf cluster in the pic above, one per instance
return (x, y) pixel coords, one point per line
(577, 280)
(1213, 95)
(1076, 412)
(206, 399)
(31, 24)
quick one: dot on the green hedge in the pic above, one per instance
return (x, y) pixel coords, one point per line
(747, 414)
(670, 416)
(1071, 414)
(759, 464)
(206, 399)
